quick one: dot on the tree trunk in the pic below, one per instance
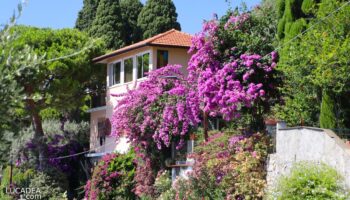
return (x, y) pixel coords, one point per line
(205, 126)
(37, 126)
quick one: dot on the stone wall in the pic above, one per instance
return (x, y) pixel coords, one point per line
(307, 144)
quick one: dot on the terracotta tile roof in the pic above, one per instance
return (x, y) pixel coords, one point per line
(171, 38)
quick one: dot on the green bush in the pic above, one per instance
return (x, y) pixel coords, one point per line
(310, 181)
(51, 184)
(163, 187)
(20, 178)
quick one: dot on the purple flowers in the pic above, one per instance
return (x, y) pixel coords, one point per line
(159, 109)
(234, 140)
(226, 83)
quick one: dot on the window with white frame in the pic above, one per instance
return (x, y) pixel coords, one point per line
(128, 70)
(114, 71)
(142, 65)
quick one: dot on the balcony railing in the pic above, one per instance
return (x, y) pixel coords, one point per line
(98, 101)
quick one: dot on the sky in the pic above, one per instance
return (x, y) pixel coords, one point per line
(63, 13)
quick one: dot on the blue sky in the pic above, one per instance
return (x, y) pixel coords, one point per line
(63, 13)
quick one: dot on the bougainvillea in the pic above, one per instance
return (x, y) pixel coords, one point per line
(162, 108)
(229, 75)
(228, 167)
(112, 178)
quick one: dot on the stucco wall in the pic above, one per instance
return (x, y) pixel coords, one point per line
(307, 144)
(94, 117)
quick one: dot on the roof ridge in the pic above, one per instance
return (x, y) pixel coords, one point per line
(151, 39)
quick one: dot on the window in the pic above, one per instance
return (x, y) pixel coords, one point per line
(162, 58)
(101, 131)
(128, 66)
(115, 73)
(142, 65)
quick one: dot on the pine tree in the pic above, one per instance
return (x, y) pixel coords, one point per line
(130, 12)
(327, 116)
(157, 16)
(108, 24)
(86, 15)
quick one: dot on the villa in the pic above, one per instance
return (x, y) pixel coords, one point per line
(126, 67)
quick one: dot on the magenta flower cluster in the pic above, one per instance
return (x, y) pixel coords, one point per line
(236, 21)
(226, 83)
(102, 179)
(162, 107)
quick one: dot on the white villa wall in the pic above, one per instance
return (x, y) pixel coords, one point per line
(307, 144)
(176, 56)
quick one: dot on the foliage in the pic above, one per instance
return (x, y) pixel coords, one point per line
(61, 139)
(108, 24)
(318, 61)
(86, 15)
(112, 178)
(49, 81)
(232, 78)
(21, 178)
(50, 183)
(327, 117)
(157, 16)
(227, 167)
(162, 183)
(310, 181)
(159, 110)
(130, 12)
(10, 93)
(293, 15)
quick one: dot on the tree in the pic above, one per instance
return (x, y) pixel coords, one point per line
(108, 24)
(318, 62)
(130, 11)
(327, 117)
(157, 16)
(86, 15)
(294, 16)
(52, 82)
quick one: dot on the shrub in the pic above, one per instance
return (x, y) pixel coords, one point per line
(227, 167)
(113, 178)
(310, 181)
(163, 187)
(51, 184)
(21, 179)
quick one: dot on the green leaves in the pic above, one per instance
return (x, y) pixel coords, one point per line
(310, 181)
(157, 16)
(316, 61)
(108, 24)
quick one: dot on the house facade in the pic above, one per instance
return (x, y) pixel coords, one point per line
(126, 67)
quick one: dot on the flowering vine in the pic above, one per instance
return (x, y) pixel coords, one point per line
(162, 108)
(228, 78)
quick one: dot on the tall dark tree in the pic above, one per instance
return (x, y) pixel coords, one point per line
(130, 12)
(294, 16)
(108, 24)
(327, 114)
(157, 16)
(86, 15)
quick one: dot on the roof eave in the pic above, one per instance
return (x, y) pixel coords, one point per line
(102, 59)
